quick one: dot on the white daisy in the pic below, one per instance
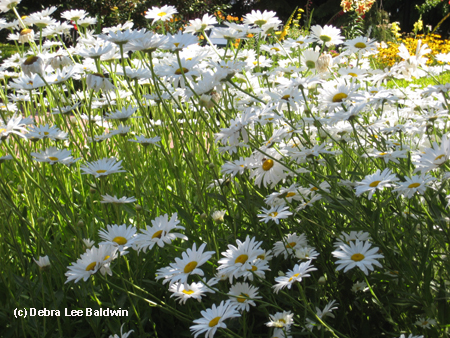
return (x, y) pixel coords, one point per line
(53, 155)
(213, 318)
(103, 167)
(281, 320)
(298, 272)
(43, 262)
(113, 199)
(328, 34)
(90, 262)
(376, 181)
(119, 236)
(160, 233)
(414, 184)
(275, 214)
(289, 244)
(192, 291)
(188, 265)
(357, 254)
(242, 296)
(238, 259)
(164, 13)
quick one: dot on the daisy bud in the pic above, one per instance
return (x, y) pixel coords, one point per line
(60, 61)
(43, 263)
(41, 219)
(92, 190)
(324, 62)
(211, 165)
(217, 216)
(203, 216)
(138, 207)
(322, 280)
(20, 189)
(80, 223)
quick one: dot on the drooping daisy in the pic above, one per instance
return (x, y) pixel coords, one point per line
(242, 295)
(43, 262)
(357, 254)
(90, 262)
(121, 114)
(326, 312)
(119, 236)
(377, 181)
(188, 265)
(122, 334)
(164, 13)
(103, 167)
(160, 233)
(146, 141)
(214, 318)
(298, 272)
(359, 286)
(98, 82)
(275, 214)
(434, 157)
(306, 253)
(238, 259)
(193, 291)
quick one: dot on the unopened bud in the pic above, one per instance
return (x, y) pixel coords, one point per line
(322, 280)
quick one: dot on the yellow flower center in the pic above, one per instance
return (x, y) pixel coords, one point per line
(353, 74)
(360, 45)
(157, 234)
(273, 214)
(52, 158)
(275, 49)
(101, 171)
(106, 257)
(91, 266)
(339, 97)
(291, 245)
(242, 298)
(290, 194)
(188, 292)
(241, 259)
(162, 14)
(190, 266)
(267, 165)
(439, 157)
(181, 71)
(285, 97)
(357, 257)
(290, 280)
(214, 322)
(382, 154)
(120, 240)
(413, 185)
(374, 184)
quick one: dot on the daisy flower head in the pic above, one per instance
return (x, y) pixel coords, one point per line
(103, 167)
(90, 262)
(122, 335)
(113, 199)
(6, 5)
(328, 34)
(413, 185)
(164, 13)
(434, 157)
(326, 312)
(425, 323)
(160, 233)
(281, 333)
(377, 181)
(336, 93)
(289, 244)
(242, 295)
(357, 254)
(306, 253)
(360, 45)
(53, 155)
(259, 19)
(74, 14)
(188, 265)
(281, 320)
(199, 25)
(214, 318)
(193, 291)
(295, 275)
(275, 214)
(267, 170)
(98, 82)
(239, 259)
(218, 215)
(119, 236)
